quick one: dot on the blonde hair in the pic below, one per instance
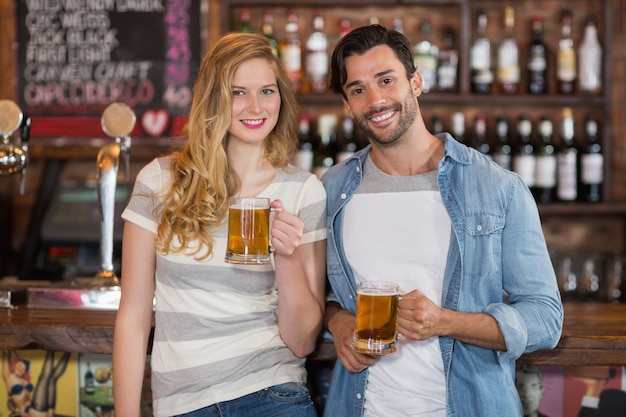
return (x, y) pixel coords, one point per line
(202, 180)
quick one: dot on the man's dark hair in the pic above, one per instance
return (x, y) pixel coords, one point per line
(361, 40)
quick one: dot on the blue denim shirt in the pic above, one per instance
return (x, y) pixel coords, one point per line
(496, 246)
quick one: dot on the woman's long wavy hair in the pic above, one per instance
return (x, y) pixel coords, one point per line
(202, 180)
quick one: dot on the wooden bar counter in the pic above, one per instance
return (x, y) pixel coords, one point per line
(593, 334)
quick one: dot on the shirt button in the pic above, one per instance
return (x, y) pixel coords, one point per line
(358, 396)
(343, 196)
(479, 227)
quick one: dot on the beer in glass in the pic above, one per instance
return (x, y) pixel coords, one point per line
(248, 231)
(376, 313)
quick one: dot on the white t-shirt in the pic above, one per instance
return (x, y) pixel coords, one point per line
(397, 229)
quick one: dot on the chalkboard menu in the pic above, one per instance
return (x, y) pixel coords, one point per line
(77, 56)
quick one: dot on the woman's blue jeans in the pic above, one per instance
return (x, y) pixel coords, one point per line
(284, 400)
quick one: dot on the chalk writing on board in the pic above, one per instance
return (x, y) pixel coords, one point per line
(77, 56)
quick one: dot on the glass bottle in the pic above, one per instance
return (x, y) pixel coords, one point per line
(590, 59)
(508, 73)
(537, 64)
(305, 155)
(566, 57)
(89, 381)
(479, 137)
(480, 57)
(567, 160)
(317, 55)
(349, 145)
(524, 161)
(502, 152)
(591, 164)
(268, 29)
(448, 62)
(344, 27)
(244, 20)
(436, 124)
(290, 51)
(458, 126)
(545, 183)
(425, 55)
(567, 277)
(373, 20)
(326, 151)
(398, 25)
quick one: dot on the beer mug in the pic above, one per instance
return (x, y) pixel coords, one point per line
(248, 231)
(376, 313)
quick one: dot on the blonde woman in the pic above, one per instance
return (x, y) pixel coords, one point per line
(229, 340)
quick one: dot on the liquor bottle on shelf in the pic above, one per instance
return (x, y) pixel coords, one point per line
(566, 57)
(567, 160)
(590, 59)
(268, 29)
(290, 51)
(458, 126)
(502, 151)
(89, 381)
(305, 155)
(349, 145)
(537, 63)
(436, 124)
(591, 164)
(425, 55)
(448, 62)
(545, 184)
(317, 55)
(479, 136)
(591, 286)
(508, 74)
(326, 152)
(244, 20)
(344, 27)
(524, 160)
(398, 25)
(480, 57)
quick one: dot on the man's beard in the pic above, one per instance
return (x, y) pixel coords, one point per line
(407, 112)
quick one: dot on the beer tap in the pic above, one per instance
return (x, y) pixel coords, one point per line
(118, 121)
(13, 157)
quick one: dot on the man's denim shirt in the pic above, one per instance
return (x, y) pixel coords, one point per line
(496, 247)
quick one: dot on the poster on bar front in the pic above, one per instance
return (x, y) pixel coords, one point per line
(572, 391)
(39, 381)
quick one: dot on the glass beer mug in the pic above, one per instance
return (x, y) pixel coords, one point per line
(376, 314)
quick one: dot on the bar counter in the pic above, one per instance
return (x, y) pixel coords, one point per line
(593, 334)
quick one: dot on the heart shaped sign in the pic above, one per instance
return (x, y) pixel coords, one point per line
(155, 122)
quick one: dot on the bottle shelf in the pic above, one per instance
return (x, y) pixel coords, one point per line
(456, 99)
(583, 209)
(460, 15)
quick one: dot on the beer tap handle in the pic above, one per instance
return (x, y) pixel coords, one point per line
(125, 143)
(25, 137)
(108, 158)
(118, 121)
(25, 132)
(12, 158)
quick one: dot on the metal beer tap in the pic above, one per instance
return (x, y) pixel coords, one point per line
(118, 121)
(13, 157)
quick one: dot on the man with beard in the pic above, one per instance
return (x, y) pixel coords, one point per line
(460, 235)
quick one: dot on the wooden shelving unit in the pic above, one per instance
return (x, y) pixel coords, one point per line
(465, 13)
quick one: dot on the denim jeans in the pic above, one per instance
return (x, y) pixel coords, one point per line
(284, 400)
